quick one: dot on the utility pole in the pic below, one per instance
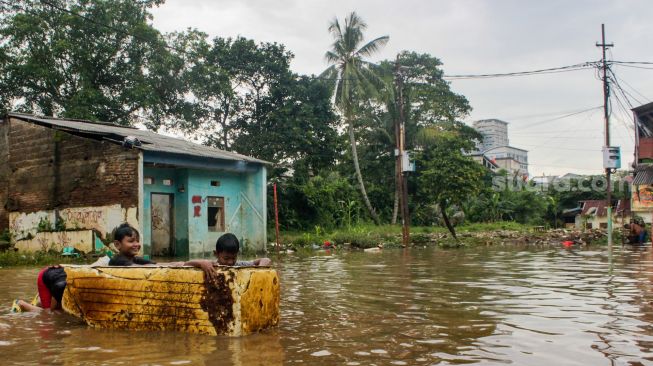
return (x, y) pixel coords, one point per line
(400, 139)
(606, 114)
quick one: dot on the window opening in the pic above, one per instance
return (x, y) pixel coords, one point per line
(215, 213)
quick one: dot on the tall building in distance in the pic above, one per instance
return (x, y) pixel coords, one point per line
(494, 131)
(496, 148)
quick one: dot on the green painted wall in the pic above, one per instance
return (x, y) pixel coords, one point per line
(245, 207)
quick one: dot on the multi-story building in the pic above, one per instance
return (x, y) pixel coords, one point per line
(496, 148)
(494, 131)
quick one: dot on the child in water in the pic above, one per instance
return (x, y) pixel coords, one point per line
(226, 252)
(127, 242)
(51, 283)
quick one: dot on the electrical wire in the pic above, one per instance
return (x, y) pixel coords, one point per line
(636, 67)
(529, 125)
(633, 62)
(620, 80)
(575, 67)
(624, 92)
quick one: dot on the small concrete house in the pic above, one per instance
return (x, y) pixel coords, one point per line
(71, 182)
(593, 214)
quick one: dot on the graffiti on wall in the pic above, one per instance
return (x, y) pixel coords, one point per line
(86, 217)
(103, 219)
(642, 197)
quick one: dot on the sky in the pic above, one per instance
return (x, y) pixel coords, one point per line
(476, 37)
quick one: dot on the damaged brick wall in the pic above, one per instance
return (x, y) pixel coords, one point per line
(49, 169)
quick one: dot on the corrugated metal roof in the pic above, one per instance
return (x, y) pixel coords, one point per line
(151, 141)
(623, 206)
(594, 207)
(643, 174)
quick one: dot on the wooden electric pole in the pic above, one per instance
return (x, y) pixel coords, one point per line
(400, 139)
(606, 115)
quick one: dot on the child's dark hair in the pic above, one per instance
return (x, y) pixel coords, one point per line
(125, 230)
(227, 243)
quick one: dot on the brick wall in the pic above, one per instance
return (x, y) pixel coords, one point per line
(50, 169)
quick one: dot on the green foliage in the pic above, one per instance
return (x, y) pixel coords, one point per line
(356, 239)
(44, 225)
(60, 224)
(14, 258)
(6, 236)
(331, 200)
(447, 177)
(58, 64)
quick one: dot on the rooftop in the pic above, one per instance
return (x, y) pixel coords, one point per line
(150, 141)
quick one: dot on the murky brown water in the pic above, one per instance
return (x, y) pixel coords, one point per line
(488, 306)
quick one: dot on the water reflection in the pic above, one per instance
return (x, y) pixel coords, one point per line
(498, 305)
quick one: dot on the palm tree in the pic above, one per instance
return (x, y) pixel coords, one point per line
(354, 78)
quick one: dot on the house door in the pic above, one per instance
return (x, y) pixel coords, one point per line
(162, 230)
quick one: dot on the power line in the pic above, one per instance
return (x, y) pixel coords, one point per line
(636, 67)
(619, 80)
(580, 66)
(557, 118)
(632, 62)
(531, 116)
(623, 110)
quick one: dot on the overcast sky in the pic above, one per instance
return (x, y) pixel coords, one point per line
(475, 37)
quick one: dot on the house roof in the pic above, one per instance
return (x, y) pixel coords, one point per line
(594, 207)
(643, 174)
(600, 208)
(623, 206)
(646, 108)
(491, 120)
(150, 141)
(570, 212)
(503, 146)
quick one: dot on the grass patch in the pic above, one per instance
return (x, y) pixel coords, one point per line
(369, 235)
(12, 258)
(493, 226)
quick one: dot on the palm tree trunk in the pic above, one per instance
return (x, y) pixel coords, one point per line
(446, 220)
(359, 177)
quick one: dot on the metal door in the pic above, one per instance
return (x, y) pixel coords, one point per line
(162, 224)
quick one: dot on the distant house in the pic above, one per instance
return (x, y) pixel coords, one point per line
(71, 182)
(512, 159)
(485, 161)
(571, 217)
(593, 214)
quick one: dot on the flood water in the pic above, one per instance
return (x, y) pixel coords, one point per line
(491, 306)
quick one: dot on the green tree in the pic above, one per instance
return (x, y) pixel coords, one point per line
(355, 80)
(446, 175)
(427, 99)
(244, 97)
(91, 59)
